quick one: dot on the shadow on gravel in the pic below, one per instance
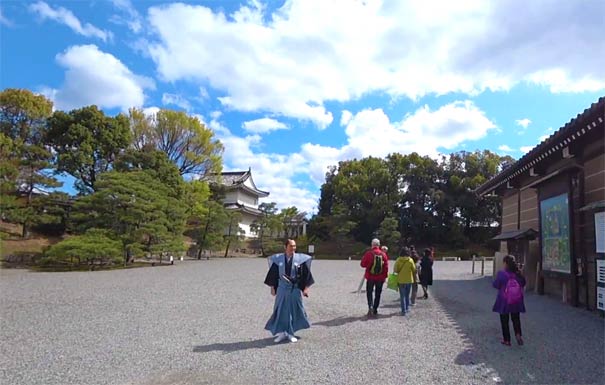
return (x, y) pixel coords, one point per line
(339, 321)
(235, 346)
(563, 345)
(397, 305)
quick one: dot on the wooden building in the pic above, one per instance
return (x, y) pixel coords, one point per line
(553, 203)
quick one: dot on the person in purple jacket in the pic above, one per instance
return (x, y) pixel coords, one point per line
(510, 283)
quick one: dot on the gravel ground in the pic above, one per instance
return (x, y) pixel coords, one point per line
(201, 322)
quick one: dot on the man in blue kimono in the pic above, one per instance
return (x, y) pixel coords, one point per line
(289, 277)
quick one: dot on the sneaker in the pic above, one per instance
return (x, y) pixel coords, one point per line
(519, 340)
(375, 311)
(280, 337)
(507, 343)
(370, 312)
(292, 338)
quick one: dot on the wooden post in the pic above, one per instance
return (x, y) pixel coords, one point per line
(473, 270)
(564, 292)
(482, 265)
(537, 277)
(494, 267)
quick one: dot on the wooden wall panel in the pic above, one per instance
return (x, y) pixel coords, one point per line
(509, 213)
(594, 179)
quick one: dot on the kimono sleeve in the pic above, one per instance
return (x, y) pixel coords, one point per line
(306, 278)
(272, 277)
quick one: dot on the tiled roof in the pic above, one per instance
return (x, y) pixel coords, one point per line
(234, 177)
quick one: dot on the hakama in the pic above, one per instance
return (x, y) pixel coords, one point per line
(289, 279)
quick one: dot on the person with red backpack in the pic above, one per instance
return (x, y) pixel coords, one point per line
(509, 302)
(376, 263)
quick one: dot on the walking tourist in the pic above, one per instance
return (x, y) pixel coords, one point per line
(426, 272)
(405, 268)
(509, 302)
(376, 263)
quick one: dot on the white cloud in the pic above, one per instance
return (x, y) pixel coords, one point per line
(558, 80)
(263, 126)
(204, 93)
(345, 118)
(370, 132)
(133, 20)
(505, 148)
(526, 149)
(292, 61)
(176, 100)
(66, 17)
(151, 111)
(4, 21)
(216, 114)
(96, 77)
(547, 133)
(272, 172)
(523, 122)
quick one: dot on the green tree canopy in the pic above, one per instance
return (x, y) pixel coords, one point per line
(26, 159)
(86, 143)
(93, 246)
(156, 164)
(188, 143)
(137, 209)
(423, 199)
(23, 115)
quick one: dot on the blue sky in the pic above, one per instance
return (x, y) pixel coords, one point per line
(291, 87)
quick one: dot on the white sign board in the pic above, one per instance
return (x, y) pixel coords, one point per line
(311, 249)
(599, 231)
(601, 298)
(600, 270)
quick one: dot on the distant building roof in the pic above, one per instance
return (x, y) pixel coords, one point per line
(236, 179)
(243, 208)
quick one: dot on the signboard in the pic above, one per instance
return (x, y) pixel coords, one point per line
(600, 283)
(311, 249)
(601, 298)
(599, 231)
(600, 271)
(554, 224)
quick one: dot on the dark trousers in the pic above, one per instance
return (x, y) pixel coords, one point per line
(370, 287)
(414, 292)
(505, 328)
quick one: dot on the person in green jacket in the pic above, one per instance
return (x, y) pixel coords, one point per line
(405, 268)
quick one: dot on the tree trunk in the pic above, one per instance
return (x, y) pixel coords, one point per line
(204, 240)
(228, 238)
(227, 248)
(261, 244)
